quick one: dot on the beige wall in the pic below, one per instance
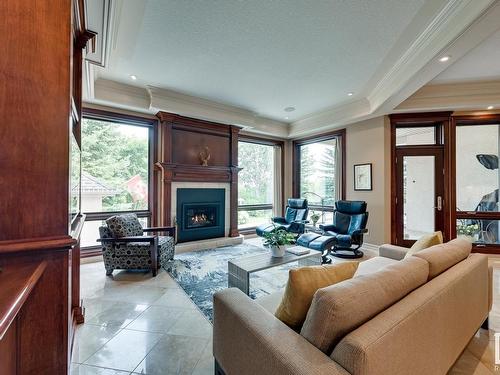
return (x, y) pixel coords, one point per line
(369, 142)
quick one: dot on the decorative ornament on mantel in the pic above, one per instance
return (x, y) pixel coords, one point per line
(205, 156)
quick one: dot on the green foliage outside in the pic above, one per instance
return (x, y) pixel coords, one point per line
(114, 157)
(255, 180)
(317, 172)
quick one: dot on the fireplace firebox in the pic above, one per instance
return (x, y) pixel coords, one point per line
(200, 214)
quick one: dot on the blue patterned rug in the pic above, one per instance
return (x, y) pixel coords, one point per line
(202, 273)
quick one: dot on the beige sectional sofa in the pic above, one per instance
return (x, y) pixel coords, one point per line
(396, 316)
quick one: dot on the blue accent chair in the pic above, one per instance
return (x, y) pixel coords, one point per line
(293, 222)
(344, 237)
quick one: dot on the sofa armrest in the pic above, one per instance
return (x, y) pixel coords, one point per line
(249, 340)
(392, 251)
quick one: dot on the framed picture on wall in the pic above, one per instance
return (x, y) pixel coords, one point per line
(363, 177)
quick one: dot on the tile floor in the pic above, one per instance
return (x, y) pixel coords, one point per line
(137, 324)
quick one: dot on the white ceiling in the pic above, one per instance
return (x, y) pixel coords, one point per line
(479, 64)
(244, 62)
(263, 55)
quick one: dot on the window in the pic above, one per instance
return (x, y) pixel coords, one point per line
(477, 182)
(115, 170)
(259, 182)
(423, 135)
(477, 167)
(319, 176)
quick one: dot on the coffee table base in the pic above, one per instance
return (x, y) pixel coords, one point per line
(239, 275)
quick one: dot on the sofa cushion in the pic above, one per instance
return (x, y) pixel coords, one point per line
(303, 283)
(125, 225)
(425, 242)
(271, 301)
(373, 265)
(338, 309)
(444, 256)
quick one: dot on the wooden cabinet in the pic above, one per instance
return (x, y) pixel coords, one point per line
(40, 109)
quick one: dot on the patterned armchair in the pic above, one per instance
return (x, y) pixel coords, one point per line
(125, 247)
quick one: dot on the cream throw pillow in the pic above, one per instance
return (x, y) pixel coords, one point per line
(425, 242)
(303, 283)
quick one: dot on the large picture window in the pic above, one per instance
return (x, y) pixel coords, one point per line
(259, 182)
(477, 182)
(116, 175)
(319, 173)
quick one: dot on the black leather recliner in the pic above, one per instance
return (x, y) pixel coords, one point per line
(344, 237)
(293, 222)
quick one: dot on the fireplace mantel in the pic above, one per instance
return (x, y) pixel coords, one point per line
(181, 140)
(197, 173)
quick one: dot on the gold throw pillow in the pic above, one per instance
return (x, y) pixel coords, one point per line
(303, 283)
(425, 242)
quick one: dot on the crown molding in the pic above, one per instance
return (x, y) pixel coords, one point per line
(453, 96)
(152, 99)
(330, 118)
(458, 27)
(111, 92)
(484, 26)
(449, 24)
(187, 105)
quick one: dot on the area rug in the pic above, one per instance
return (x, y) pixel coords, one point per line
(202, 273)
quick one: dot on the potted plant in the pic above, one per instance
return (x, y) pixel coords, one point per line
(315, 217)
(468, 230)
(277, 241)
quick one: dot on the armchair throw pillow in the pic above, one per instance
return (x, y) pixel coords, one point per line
(125, 225)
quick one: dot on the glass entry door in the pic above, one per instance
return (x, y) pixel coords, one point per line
(419, 193)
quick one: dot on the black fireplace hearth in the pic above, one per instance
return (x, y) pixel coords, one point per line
(200, 214)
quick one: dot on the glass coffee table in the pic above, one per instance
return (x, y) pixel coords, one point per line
(239, 269)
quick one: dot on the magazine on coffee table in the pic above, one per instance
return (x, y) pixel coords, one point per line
(298, 250)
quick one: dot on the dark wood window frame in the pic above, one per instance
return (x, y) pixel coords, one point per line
(297, 143)
(126, 119)
(447, 138)
(256, 207)
(441, 122)
(470, 120)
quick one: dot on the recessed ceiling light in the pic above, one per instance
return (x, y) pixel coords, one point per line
(350, 94)
(444, 58)
(133, 77)
(286, 118)
(289, 109)
(490, 107)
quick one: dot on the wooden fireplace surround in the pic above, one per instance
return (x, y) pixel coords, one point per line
(180, 141)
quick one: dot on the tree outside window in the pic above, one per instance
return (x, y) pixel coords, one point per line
(255, 183)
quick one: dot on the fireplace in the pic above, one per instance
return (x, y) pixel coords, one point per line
(200, 214)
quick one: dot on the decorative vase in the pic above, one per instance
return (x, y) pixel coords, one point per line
(277, 251)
